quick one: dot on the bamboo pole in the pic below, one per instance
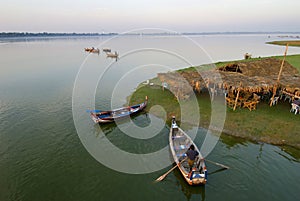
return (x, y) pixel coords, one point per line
(197, 87)
(279, 75)
(281, 67)
(273, 96)
(292, 95)
(236, 99)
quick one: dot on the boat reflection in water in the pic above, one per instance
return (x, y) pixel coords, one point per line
(189, 191)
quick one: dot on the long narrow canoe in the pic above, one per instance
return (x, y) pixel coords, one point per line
(99, 116)
(92, 50)
(106, 50)
(179, 144)
(112, 55)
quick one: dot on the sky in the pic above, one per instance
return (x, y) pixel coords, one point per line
(106, 16)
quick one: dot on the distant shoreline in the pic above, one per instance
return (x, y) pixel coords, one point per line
(49, 34)
(46, 34)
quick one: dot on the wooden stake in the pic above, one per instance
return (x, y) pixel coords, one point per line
(197, 87)
(273, 96)
(279, 75)
(281, 67)
(236, 99)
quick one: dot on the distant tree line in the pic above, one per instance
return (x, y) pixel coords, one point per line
(46, 34)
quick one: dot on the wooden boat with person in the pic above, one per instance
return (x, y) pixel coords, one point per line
(112, 55)
(99, 116)
(179, 144)
(92, 50)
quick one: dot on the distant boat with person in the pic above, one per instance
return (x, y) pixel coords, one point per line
(112, 55)
(92, 50)
(106, 50)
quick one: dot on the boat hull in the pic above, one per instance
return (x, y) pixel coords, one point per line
(179, 143)
(92, 50)
(113, 115)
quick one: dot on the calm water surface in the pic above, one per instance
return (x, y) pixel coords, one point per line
(41, 154)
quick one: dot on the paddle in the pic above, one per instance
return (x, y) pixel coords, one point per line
(164, 175)
(221, 165)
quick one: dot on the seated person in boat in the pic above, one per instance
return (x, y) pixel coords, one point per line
(191, 154)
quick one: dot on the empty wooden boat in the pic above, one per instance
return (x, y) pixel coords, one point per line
(99, 116)
(106, 50)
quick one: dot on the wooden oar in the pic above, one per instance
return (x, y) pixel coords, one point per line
(164, 175)
(221, 165)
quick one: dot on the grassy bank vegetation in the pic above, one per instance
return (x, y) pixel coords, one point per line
(274, 125)
(294, 60)
(290, 42)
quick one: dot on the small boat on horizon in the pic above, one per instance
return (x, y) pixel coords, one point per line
(92, 50)
(99, 116)
(112, 55)
(106, 50)
(179, 143)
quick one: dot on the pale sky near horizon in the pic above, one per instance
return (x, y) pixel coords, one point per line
(122, 16)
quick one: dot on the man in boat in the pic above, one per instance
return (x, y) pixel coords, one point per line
(192, 155)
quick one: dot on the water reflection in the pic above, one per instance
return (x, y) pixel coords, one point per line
(292, 152)
(105, 128)
(125, 133)
(217, 171)
(141, 120)
(189, 191)
(231, 141)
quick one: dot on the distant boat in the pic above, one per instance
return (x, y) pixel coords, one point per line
(99, 116)
(106, 50)
(92, 50)
(112, 55)
(179, 143)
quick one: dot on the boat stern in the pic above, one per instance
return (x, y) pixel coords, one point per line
(197, 178)
(198, 181)
(94, 117)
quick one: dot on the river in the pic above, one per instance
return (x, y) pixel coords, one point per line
(49, 145)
